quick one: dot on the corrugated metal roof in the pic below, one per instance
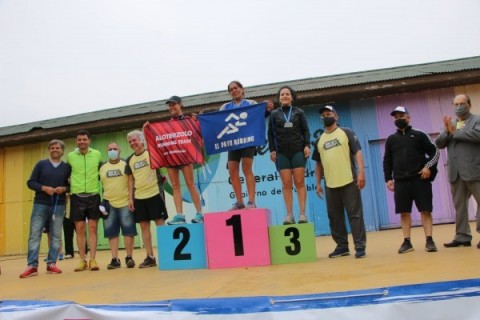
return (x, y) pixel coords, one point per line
(303, 85)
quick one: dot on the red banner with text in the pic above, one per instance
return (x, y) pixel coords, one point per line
(174, 143)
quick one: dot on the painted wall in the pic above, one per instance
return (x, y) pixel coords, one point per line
(369, 118)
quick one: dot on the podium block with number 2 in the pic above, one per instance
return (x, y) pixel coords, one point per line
(237, 238)
(181, 247)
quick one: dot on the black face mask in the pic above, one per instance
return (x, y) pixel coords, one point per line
(328, 121)
(401, 123)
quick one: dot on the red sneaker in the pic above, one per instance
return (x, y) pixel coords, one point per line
(52, 268)
(29, 272)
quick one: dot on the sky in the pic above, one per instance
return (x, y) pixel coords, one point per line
(65, 57)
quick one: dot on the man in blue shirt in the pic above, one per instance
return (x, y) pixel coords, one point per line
(49, 180)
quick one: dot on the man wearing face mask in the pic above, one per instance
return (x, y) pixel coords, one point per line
(115, 194)
(340, 161)
(461, 137)
(409, 166)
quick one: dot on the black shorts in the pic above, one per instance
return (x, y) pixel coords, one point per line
(297, 160)
(150, 209)
(418, 190)
(82, 208)
(236, 155)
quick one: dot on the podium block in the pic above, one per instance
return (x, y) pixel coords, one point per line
(237, 238)
(292, 243)
(181, 247)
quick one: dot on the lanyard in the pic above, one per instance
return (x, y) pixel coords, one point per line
(287, 119)
(56, 196)
(238, 105)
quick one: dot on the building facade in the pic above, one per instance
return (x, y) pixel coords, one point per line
(363, 101)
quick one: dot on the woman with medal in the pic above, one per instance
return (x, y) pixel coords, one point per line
(288, 141)
(245, 155)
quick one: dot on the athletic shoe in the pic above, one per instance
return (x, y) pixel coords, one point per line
(53, 269)
(289, 220)
(302, 219)
(339, 252)
(198, 218)
(60, 256)
(405, 247)
(250, 205)
(430, 246)
(29, 272)
(69, 256)
(178, 219)
(82, 265)
(360, 253)
(238, 206)
(94, 265)
(114, 264)
(148, 262)
(129, 262)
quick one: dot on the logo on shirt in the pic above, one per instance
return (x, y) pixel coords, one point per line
(140, 164)
(331, 144)
(114, 173)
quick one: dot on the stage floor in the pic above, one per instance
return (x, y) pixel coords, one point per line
(383, 267)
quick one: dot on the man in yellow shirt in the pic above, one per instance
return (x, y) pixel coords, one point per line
(115, 204)
(145, 198)
(340, 161)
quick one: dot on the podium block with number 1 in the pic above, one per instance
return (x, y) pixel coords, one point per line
(237, 238)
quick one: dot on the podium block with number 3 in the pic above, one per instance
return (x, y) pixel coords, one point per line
(181, 247)
(237, 238)
(292, 243)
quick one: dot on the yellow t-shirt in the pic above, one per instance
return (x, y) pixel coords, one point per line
(146, 180)
(336, 151)
(115, 183)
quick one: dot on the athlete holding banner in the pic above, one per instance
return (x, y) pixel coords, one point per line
(288, 141)
(175, 107)
(245, 155)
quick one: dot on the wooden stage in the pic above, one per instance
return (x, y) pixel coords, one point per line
(383, 267)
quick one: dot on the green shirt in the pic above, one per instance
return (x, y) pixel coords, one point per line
(84, 177)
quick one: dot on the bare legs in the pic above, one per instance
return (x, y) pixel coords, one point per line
(234, 172)
(297, 177)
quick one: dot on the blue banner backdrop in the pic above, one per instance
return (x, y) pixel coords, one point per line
(233, 129)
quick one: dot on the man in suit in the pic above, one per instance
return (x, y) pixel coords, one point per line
(461, 137)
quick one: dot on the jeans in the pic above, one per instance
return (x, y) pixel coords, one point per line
(119, 218)
(40, 214)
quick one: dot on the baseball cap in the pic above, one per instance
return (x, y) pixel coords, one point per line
(174, 99)
(399, 109)
(327, 107)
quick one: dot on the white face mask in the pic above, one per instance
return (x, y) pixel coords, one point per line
(113, 154)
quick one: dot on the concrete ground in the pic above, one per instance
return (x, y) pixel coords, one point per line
(383, 267)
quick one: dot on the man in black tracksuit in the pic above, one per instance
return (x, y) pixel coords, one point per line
(409, 166)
